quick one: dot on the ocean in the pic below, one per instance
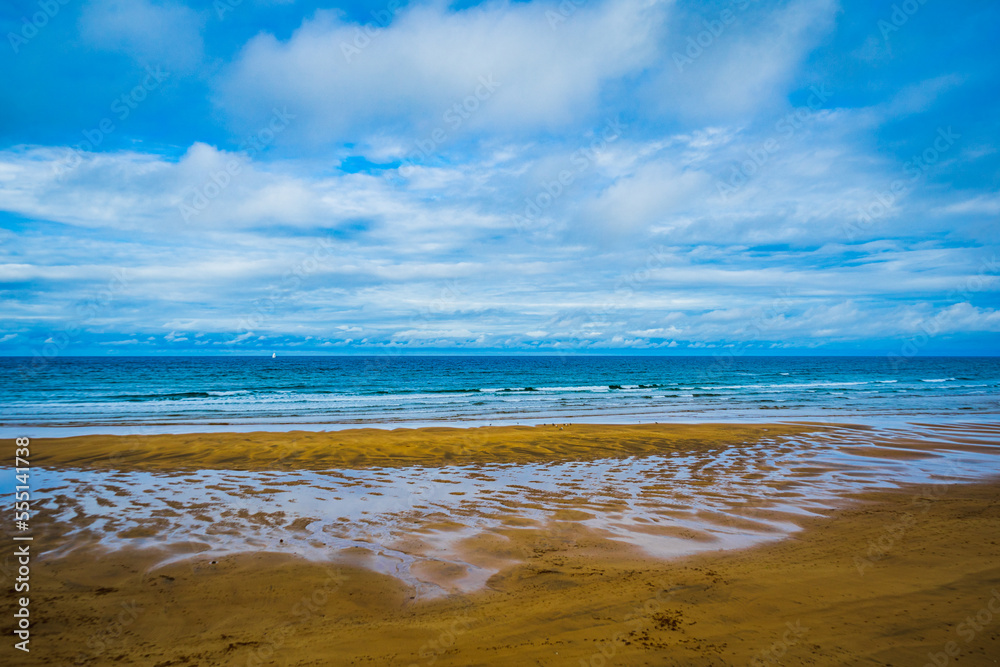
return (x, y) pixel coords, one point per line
(176, 394)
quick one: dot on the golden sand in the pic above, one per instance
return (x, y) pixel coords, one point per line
(906, 577)
(822, 598)
(354, 448)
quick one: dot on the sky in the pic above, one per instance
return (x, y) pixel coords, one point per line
(635, 176)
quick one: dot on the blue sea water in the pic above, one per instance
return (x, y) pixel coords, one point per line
(219, 393)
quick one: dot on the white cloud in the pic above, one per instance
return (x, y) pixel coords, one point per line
(408, 75)
(433, 258)
(654, 193)
(919, 97)
(979, 205)
(153, 33)
(747, 65)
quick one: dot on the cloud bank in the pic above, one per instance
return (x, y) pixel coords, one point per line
(664, 177)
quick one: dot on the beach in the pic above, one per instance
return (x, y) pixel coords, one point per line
(563, 544)
(534, 333)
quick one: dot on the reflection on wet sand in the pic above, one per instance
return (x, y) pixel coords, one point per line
(447, 529)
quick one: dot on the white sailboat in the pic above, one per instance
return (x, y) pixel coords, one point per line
(274, 354)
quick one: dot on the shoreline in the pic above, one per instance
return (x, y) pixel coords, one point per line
(58, 430)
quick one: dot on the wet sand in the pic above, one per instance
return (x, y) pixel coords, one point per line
(884, 577)
(803, 600)
(369, 447)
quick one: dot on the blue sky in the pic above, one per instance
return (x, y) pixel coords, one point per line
(636, 176)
